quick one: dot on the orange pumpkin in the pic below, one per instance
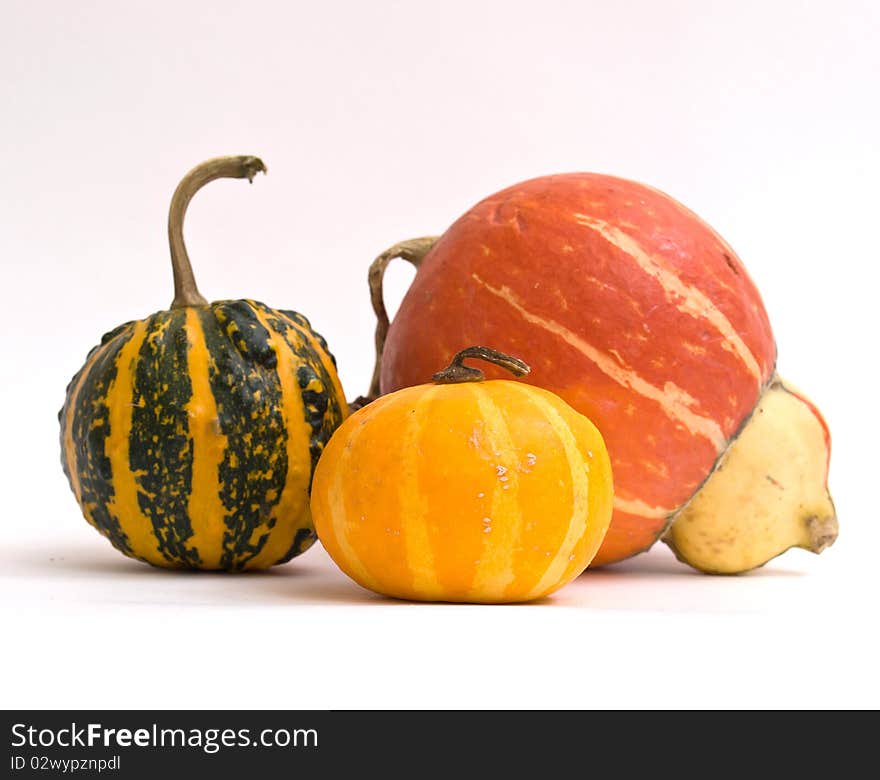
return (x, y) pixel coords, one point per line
(464, 490)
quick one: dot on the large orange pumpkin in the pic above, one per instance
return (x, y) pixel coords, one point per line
(625, 304)
(464, 490)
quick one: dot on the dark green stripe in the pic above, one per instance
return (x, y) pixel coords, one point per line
(247, 391)
(160, 448)
(323, 408)
(305, 538)
(90, 457)
(65, 411)
(304, 325)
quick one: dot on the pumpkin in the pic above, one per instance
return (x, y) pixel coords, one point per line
(464, 490)
(189, 438)
(634, 311)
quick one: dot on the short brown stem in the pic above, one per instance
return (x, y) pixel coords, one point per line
(186, 293)
(457, 372)
(822, 532)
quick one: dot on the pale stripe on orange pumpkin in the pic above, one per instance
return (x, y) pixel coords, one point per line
(335, 533)
(496, 568)
(634, 506)
(419, 553)
(674, 401)
(580, 495)
(686, 298)
(477, 492)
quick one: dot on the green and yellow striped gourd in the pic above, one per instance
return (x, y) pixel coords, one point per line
(189, 438)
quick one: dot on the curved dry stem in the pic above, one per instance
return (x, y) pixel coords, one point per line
(186, 293)
(457, 372)
(413, 251)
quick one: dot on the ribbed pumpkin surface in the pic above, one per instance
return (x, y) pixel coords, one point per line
(476, 492)
(625, 304)
(189, 438)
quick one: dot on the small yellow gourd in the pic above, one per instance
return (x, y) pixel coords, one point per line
(464, 490)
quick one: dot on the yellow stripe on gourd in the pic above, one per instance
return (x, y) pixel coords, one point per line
(580, 494)
(458, 498)
(374, 523)
(340, 518)
(292, 510)
(349, 519)
(206, 510)
(496, 568)
(419, 553)
(124, 506)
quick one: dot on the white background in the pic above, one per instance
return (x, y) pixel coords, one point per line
(381, 121)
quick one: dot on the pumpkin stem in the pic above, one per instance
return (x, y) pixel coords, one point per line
(243, 167)
(413, 251)
(457, 372)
